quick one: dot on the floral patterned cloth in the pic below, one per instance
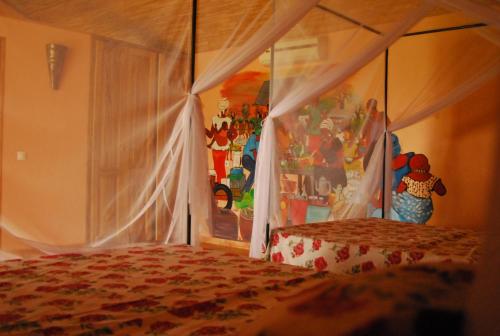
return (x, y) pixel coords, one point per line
(423, 299)
(148, 290)
(359, 245)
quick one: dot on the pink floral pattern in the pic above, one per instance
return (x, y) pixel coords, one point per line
(148, 290)
(361, 245)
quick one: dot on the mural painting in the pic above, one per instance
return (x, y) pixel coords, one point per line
(324, 151)
(233, 139)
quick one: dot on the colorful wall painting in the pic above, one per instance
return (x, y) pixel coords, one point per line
(323, 149)
(233, 140)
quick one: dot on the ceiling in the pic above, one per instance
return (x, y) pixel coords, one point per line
(163, 24)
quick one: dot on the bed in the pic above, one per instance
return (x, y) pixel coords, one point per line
(157, 290)
(358, 245)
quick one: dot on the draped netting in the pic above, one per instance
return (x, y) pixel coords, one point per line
(116, 154)
(119, 155)
(322, 152)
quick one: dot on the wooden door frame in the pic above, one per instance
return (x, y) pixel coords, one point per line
(2, 96)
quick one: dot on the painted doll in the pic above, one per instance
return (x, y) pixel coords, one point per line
(412, 200)
(221, 134)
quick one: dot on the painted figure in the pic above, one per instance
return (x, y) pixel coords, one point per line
(250, 157)
(329, 159)
(400, 162)
(412, 200)
(221, 133)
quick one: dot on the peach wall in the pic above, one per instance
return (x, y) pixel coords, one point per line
(461, 141)
(46, 194)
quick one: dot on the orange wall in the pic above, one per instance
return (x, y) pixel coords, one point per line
(46, 194)
(461, 141)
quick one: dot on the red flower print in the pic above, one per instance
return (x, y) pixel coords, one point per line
(50, 331)
(248, 293)
(31, 262)
(5, 285)
(394, 258)
(144, 303)
(179, 277)
(76, 286)
(98, 267)
(275, 239)
(277, 257)
(140, 288)
(119, 257)
(180, 290)
(241, 279)
(185, 302)
(8, 318)
(316, 244)
(47, 289)
(155, 280)
(115, 296)
(149, 259)
(416, 255)
(116, 286)
(22, 298)
(320, 263)
(251, 272)
(363, 249)
(57, 317)
(93, 318)
(161, 326)
(272, 281)
(285, 235)
(367, 266)
(214, 277)
(71, 255)
(343, 254)
(152, 266)
(61, 302)
(101, 255)
(230, 254)
(210, 330)
(298, 250)
(116, 307)
(60, 264)
(251, 306)
(113, 276)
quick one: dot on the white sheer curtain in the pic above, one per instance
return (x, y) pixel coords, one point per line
(325, 78)
(145, 168)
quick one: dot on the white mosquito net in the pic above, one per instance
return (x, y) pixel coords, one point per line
(322, 152)
(103, 140)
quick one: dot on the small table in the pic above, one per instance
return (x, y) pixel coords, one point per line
(359, 245)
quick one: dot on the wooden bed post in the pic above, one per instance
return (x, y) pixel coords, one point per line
(193, 59)
(386, 82)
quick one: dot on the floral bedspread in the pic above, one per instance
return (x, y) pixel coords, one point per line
(359, 245)
(148, 290)
(422, 299)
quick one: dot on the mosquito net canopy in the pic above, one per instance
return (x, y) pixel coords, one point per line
(103, 127)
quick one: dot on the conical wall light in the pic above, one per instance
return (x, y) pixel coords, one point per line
(55, 60)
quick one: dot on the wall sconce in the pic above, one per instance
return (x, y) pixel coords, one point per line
(55, 60)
